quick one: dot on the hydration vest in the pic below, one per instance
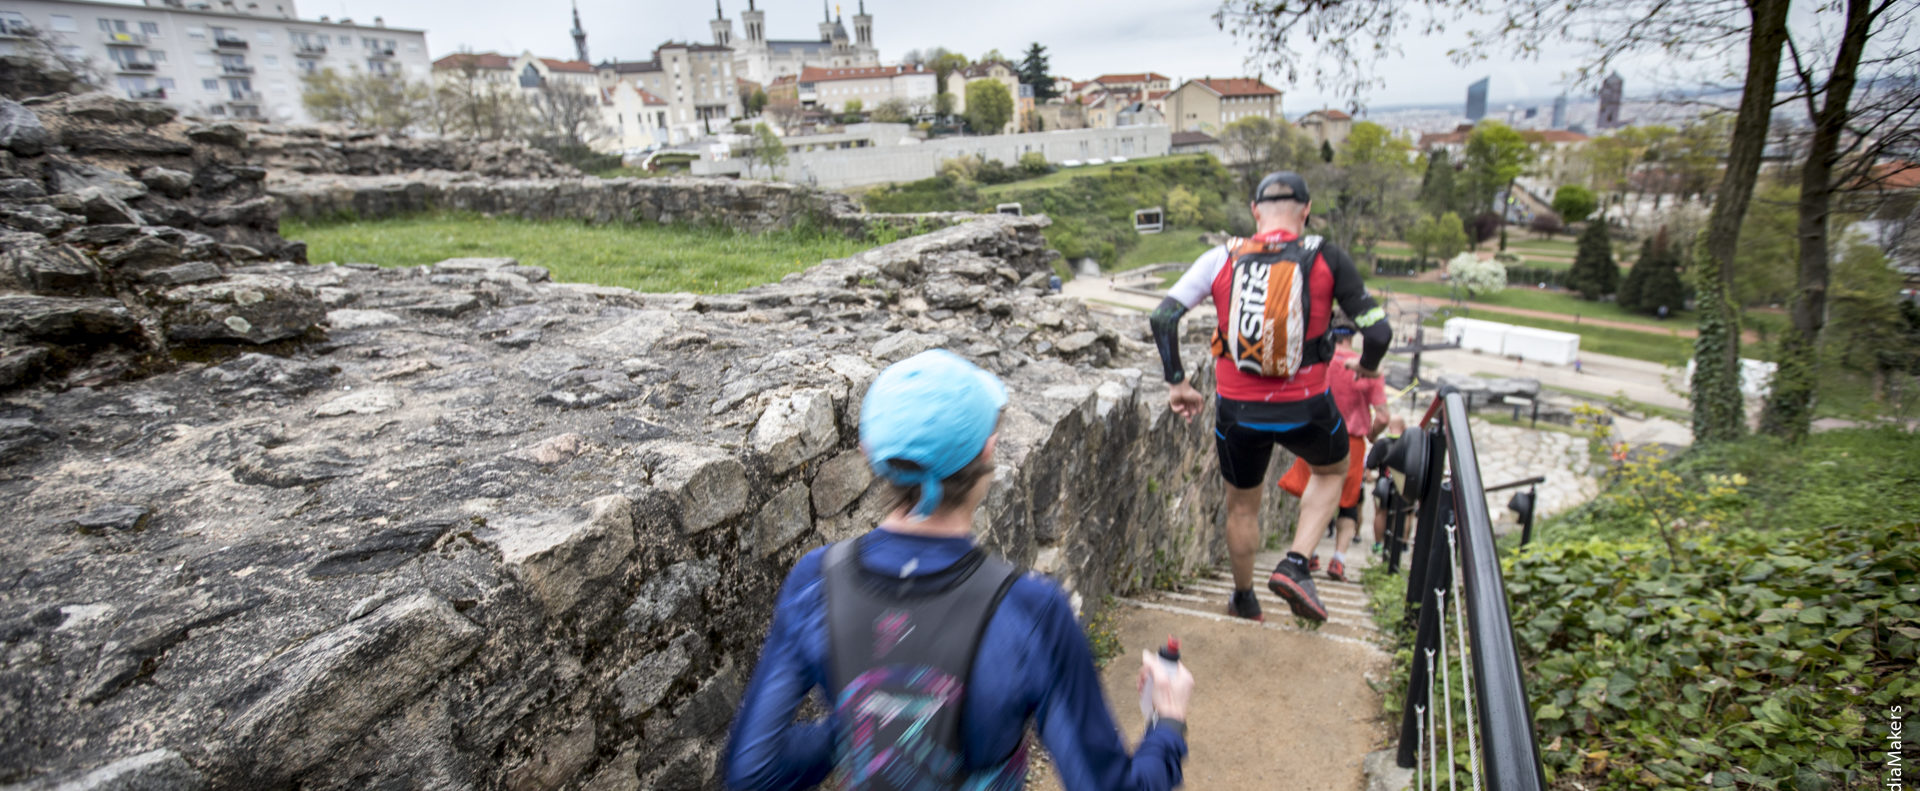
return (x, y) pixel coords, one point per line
(901, 652)
(1269, 305)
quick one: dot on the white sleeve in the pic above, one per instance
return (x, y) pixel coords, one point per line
(1197, 284)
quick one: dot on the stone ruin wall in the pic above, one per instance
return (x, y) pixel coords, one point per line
(464, 527)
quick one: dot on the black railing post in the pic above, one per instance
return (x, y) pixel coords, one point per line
(1433, 534)
(1396, 528)
(1526, 521)
(1511, 757)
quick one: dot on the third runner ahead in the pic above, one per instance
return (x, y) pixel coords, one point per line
(1274, 295)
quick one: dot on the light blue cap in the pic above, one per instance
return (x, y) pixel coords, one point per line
(935, 410)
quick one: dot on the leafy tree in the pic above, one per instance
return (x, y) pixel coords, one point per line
(1257, 146)
(1496, 154)
(1033, 71)
(567, 116)
(1634, 283)
(1437, 237)
(1573, 202)
(1437, 191)
(1594, 274)
(1769, 245)
(892, 111)
(1035, 163)
(1326, 151)
(989, 106)
(853, 107)
(1663, 286)
(913, 57)
(1366, 191)
(1183, 207)
(1482, 227)
(1546, 224)
(756, 102)
(1479, 277)
(992, 56)
(369, 101)
(944, 64)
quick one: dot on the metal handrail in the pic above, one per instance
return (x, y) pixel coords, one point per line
(1449, 505)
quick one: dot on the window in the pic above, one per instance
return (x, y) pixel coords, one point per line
(210, 85)
(270, 60)
(265, 37)
(64, 23)
(71, 52)
(113, 25)
(166, 83)
(150, 28)
(377, 67)
(157, 55)
(197, 33)
(132, 84)
(306, 66)
(233, 62)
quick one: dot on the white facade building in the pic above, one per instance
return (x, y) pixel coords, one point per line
(696, 81)
(834, 89)
(213, 59)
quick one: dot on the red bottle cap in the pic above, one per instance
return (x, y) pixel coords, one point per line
(1171, 651)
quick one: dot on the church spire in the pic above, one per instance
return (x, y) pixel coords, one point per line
(717, 13)
(579, 36)
(826, 14)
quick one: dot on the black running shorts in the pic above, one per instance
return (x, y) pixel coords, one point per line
(1244, 433)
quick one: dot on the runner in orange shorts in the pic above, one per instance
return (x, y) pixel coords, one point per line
(1363, 408)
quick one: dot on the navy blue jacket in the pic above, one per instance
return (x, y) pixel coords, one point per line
(1039, 667)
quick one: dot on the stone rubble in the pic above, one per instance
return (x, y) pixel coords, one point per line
(530, 543)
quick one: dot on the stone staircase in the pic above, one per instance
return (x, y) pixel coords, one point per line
(1349, 620)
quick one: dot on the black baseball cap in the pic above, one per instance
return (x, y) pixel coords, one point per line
(1281, 185)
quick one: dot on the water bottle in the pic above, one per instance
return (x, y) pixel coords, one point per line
(1170, 663)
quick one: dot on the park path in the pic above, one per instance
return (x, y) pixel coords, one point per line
(1274, 705)
(1748, 336)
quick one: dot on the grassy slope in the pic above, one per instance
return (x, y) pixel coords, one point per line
(650, 258)
(1663, 349)
(1060, 177)
(1171, 246)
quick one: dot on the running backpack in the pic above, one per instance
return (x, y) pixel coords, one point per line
(902, 650)
(1269, 303)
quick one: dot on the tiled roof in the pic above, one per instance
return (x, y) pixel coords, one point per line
(648, 98)
(482, 60)
(1238, 86)
(1331, 115)
(817, 74)
(1896, 175)
(1122, 79)
(1192, 139)
(1558, 136)
(575, 66)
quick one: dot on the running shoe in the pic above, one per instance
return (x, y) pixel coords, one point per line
(1291, 581)
(1313, 564)
(1336, 570)
(1245, 605)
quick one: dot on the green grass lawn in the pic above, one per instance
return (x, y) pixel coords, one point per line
(644, 258)
(1061, 176)
(1171, 246)
(1663, 349)
(1529, 298)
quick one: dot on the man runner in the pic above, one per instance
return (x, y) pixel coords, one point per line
(1261, 327)
(1363, 407)
(889, 625)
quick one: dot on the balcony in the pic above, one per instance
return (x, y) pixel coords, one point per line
(243, 97)
(114, 39)
(229, 43)
(151, 95)
(382, 53)
(310, 50)
(136, 67)
(12, 28)
(240, 69)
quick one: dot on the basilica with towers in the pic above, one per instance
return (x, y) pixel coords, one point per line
(761, 59)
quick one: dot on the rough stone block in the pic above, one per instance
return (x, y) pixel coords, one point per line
(332, 690)
(644, 683)
(706, 484)
(906, 343)
(182, 274)
(666, 594)
(780, 521)
(562, 555)
(840, 481)
(46, 267)
(20, 130)
(795, 429)
(636, 334)
(360, 402)
(253, 308)
(153, 770)
(63, 319)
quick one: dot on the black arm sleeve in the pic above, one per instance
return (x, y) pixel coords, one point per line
(1351, 292)
(1166, 337)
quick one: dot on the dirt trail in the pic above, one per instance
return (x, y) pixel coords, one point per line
(1274, 705)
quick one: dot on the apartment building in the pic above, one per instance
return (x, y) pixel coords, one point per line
(1327, 126)
(698, 82)
(213, 59)
(1209, 104)
(834, 89)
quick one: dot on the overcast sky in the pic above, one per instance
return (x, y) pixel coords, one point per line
(1173, 37)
